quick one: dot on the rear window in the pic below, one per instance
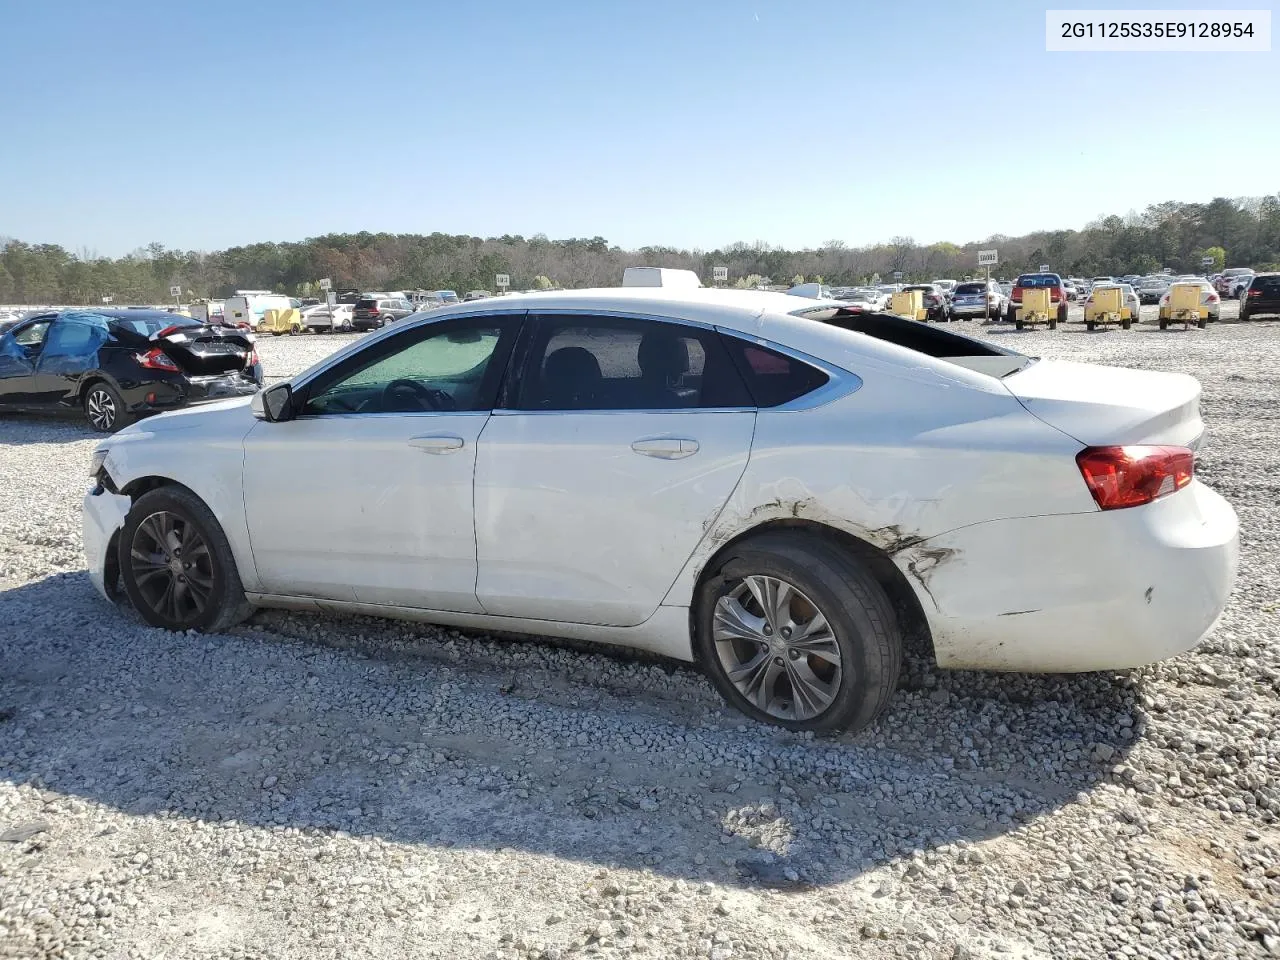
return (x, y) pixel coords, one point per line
(773, 378)
(1269, 284)
(148, 326)
(365, 303)
(971, 288)
(1039, 280)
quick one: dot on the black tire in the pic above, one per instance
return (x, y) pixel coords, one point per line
(1053, 323)
(224, 605)
(855, 606)
(1126, 323)
(1018, 324)
(1203, 323)
(1011, 315)
(1244, 315)
(104, 408)
(1089, 325)
(1164, 324)
(1062, 313)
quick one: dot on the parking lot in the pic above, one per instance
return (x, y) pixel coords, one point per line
(314, 786)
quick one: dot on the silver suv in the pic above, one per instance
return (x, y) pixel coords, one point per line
(977, 298)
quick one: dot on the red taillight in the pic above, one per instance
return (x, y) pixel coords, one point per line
(1131, 476)
(253, 358)
(1017, 294)
(168, 330)
(156, 359)
(1255, 293)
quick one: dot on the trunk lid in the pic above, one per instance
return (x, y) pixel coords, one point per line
(197, 349)
(1103, 406)
(205, 350)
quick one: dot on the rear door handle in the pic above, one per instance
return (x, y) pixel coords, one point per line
(436, 444)
(666, 448)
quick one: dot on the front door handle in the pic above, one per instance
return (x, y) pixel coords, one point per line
(666, 448)
(436, 444)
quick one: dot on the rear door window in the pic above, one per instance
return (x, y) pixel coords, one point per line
(621, 363)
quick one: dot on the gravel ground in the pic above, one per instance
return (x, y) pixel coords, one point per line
(315, 786)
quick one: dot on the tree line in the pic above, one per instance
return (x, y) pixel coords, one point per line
(1240, 232)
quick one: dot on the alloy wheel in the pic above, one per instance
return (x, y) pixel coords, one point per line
(100, 407)
(777, 648)
(172, 567)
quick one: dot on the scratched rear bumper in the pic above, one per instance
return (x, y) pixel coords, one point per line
(1098, 591)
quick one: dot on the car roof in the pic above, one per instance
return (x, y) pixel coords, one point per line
(131, 314)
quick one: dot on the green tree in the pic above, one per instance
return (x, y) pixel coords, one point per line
(1218, 255)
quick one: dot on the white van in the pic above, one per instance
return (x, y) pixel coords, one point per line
(208, 311)
(660, 277)
(814, 291)
(246, 308)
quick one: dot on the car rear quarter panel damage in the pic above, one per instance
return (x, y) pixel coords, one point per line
(898, 464)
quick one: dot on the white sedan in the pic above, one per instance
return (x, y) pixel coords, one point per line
(774, 488)
(322, 318)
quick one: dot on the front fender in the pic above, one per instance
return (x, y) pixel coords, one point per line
(210, 467)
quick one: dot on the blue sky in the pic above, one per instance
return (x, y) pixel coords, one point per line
(692, 124)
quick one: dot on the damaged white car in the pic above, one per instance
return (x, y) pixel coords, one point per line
(774, 488)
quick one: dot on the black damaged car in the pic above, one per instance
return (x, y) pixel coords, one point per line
(119, 365)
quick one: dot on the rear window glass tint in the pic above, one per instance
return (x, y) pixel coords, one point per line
(773, 378)
(1036, 280)
(1269, 284)
(971, 288)
(366, 303)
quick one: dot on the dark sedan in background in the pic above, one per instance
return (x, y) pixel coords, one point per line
(118, 365)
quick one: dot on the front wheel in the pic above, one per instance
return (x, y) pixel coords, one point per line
(796, 632)
(104, 408)
(176, 564)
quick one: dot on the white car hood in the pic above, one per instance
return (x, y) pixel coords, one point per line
(219, 418)
(1102, 406)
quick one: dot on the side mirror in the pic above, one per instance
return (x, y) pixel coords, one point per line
(274, 404)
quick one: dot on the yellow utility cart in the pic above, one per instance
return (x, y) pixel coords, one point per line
(276, 322)
(1037, 307)
(1185, 307)
(909, 304)
(1106, 306)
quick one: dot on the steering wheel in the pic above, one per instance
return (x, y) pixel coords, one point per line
(430, 397)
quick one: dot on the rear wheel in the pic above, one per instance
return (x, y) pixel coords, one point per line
(105, 409)
(794, 631)
(1010, 315)
(1062, 313)
(1089, 324)
(1053, 324)
(1244, 314)
(1164, 324)
(1126, 323)
(176, 564)
(1203, 323)
(1017, 323)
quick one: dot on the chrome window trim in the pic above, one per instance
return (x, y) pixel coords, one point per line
(346, 414)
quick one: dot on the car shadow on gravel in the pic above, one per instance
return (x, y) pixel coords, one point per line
(425, 736)
(21, 429)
